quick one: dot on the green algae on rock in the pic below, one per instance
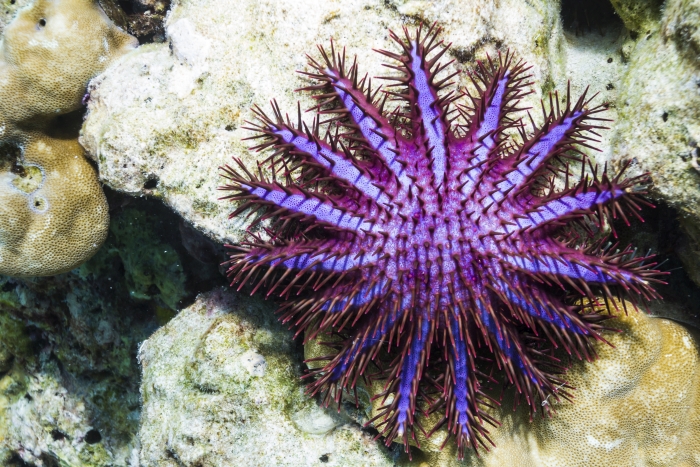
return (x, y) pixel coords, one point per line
(70, 375)
(153, 269)
(221, 387)
(659, 117)
(640, 16)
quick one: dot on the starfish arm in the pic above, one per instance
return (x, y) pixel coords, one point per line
(543, 310)
(432, 113)
(363, 295)
(587, 269)
(343, 368)
(297, 143)
(325, 262)
(522, 371)
(315, 257)
(357, 102)
(297, 203)
(339, 165)
(561, 132)
(426, 109)
(561, 208)
(463, 415)
(499, 87)
(398, 415)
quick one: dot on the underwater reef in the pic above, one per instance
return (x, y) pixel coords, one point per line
(137, 352)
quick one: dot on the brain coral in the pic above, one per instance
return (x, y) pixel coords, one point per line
(48, 225)
(54, 215)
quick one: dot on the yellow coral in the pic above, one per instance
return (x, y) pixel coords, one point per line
(637, 404)
(53, 214)
(49, 53)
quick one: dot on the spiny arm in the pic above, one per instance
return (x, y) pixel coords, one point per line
(300, 142)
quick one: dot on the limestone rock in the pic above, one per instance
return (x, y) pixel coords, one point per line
(166, 117)
(659, 115)
(221, 387)
(639, 15)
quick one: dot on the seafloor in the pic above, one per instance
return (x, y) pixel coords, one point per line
(121, 343)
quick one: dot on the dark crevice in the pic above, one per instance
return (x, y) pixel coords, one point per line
(16, 461)
(662, 235)
(93, 437)
(145, 19)
(589, 16)
(151, 183)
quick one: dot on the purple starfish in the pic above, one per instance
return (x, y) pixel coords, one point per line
(426, 238)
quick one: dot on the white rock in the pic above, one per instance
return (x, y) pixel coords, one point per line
(201, 416)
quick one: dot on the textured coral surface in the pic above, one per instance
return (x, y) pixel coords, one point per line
(49, 53)
(49, 193)
(49, 196)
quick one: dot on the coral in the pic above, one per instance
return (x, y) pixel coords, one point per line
(49, 53)
(428, 226)
(54, 214)
(48, 226)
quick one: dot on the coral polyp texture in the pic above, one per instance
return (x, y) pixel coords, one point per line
(432, 240)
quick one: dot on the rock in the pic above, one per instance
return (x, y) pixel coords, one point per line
(639, 15)
(68, 388)
(167, 116)
(637, 403)
(659, 116)
(221, 387)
